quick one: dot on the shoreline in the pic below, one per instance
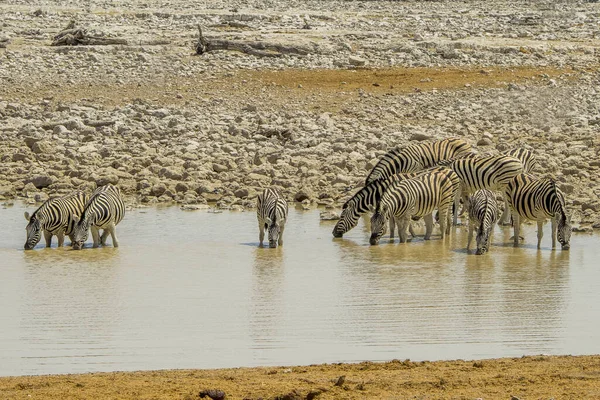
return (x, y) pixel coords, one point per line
(522, 377)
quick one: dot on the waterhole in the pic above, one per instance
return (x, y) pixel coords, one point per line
(194, 290)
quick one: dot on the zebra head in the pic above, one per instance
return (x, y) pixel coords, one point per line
(348, 219)
(34, 231)
(483, 239)
(80, 231)
(563, 232)
(273, 227)
(378, 225)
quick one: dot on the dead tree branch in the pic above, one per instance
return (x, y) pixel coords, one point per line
(73, 36)
(260, 49)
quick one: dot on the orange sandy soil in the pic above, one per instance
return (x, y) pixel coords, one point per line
(324, 89)
(539, 377)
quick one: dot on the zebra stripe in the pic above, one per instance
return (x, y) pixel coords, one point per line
(271, 211)
(416, 157)
(54, 217)
(527, 157)
(483, 214)
(104, 210)
(538, 200)
(364, 201)
(492, 172)
(416, 197)
(530, 162)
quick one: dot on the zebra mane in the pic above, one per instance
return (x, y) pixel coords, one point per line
(559, 196)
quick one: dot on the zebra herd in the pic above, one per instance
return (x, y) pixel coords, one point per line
(414, 181)
(74, 215)
(407, 184)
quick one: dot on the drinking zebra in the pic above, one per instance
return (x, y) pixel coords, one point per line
(416, 197)
(271, 211)
(538, 200)
(364, 201)
(104, 210)
(530, 162)
(416, 157)
(54, 217)
(483, 214)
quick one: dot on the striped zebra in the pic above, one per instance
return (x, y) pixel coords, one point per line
(416, 157)
(54, 217)
(364, 201)
(104, 210)
(530, 162)
(272, 212)
(483, 214)
(489, 172)
(416, 197)
(537, 200)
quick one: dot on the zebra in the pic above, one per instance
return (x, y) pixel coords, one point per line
(104, 210)
(364, 201)
(530, 162)
(419, 197)
(483, 214)
(54, 217)
(539, 199)
(489, 172)
(272, 212)
(416, 157)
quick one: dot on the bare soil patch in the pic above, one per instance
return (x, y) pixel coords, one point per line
(540, 377)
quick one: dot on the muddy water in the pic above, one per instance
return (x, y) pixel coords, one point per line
(193, 290)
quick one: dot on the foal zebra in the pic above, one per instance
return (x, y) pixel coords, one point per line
(271, 211)
(530, 162)
(104, 210)
(483, 214)
(537, 200)
(54, 217)
(416, 157)
(418, 197)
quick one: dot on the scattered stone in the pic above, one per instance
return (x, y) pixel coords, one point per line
(328, 216)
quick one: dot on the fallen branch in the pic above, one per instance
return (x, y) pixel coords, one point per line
(73, 36)
(260, 49)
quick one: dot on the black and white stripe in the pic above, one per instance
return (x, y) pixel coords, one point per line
(483, 214)
(54, 217)
(363, 201)
(272, 212)
(104, 210)
(415, 197)
(530, 162)
(416, 157)
(537, 200)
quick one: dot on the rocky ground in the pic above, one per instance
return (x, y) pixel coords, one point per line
(166, 125)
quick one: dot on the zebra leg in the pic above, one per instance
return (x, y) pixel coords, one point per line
(61, 238)
(540, 233)
(403, 225)
(280, 240)
(554, 227)
(261, 233)
(48, 238)
(411, 231)
(113, 235)
(428, 226)
(505, 218)
(516, 228)
(392, 223)
(95, 236)
(105, 234)
(470, 235)
(443, 221)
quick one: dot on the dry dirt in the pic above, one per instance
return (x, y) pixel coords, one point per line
(323, 89)
(540, 377)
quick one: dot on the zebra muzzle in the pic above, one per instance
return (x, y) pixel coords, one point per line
(565, 246)
(374, 240)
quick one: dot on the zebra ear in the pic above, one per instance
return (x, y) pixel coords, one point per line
(76, 218)
(27, 216)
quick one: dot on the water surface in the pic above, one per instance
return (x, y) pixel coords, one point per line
(193, 290)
